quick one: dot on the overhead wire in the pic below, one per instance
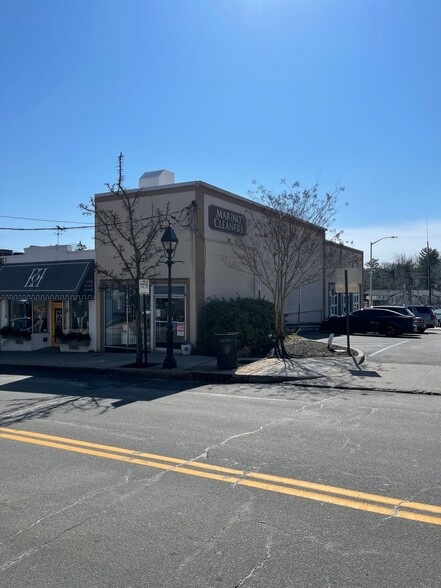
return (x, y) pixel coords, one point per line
(178, 216)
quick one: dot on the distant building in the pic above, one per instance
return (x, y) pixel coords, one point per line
(400, 297)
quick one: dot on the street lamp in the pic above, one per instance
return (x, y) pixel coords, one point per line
(169, 243)
(370, 265)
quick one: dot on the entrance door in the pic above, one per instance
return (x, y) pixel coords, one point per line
(178, 321)
(56, 322)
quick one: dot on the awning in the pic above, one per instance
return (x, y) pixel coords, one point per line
(54, 280)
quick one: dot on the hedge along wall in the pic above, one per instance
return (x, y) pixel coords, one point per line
(253, 320)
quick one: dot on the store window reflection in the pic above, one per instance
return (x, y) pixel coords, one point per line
(39, 316)
(120, 316)
(79, 315)
(20, 313)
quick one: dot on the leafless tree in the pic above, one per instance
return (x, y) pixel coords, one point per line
(284, 246)
(132, 236)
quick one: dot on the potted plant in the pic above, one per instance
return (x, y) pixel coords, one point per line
(73, 340)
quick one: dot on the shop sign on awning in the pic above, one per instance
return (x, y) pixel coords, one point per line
(53, 280)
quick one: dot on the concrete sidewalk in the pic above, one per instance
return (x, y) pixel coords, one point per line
(346, 373)
(341, 372)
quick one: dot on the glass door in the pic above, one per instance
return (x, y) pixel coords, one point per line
(177, 317)
(56, 322)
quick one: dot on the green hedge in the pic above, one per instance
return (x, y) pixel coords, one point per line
(252, 319)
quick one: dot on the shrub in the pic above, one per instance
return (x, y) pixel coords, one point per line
(252, 319)
(12, 333)
(74, 336)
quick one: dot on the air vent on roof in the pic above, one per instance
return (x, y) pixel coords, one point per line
(160, 177)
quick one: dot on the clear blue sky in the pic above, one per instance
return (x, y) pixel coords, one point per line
(226, 91)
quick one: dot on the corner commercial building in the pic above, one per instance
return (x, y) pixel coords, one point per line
(206, 220)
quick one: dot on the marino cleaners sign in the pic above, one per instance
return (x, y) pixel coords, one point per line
(228, 221)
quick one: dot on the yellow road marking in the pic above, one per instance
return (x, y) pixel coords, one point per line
(289, 486)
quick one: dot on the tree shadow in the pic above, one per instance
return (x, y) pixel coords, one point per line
(69, 392)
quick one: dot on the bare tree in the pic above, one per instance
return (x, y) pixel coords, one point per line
(133, 239)
(285, 243)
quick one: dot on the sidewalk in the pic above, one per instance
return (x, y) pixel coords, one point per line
(342, 372)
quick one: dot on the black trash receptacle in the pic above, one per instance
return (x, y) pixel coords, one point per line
(226, 351)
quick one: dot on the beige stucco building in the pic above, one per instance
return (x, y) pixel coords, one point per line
(206, 220)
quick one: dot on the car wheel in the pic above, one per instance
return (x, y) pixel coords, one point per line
(392, 330)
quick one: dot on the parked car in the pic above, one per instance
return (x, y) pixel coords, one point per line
(437, 317)
(421, 325)
(372, 320)
(426, 312)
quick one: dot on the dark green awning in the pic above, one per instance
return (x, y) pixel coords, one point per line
(54, 280)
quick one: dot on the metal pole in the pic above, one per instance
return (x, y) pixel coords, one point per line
(370, 277)
(145, 331)
(348, 343)
(370, 263)
(169, 361)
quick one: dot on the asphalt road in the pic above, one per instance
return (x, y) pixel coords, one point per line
(422, 348)
(111, 482)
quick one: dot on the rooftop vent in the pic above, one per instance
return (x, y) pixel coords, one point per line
(161, 177)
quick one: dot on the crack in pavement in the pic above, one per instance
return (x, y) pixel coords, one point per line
(259, 566)
(66, 508)
(205, 454)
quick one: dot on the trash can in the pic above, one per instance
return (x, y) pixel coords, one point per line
(226, 351)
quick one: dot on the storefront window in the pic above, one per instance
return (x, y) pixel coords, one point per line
(120, 316)
(332, 300)
(79, 315)
(39, 316)
(21, 315)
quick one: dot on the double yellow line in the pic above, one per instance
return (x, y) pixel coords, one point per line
(382, 505)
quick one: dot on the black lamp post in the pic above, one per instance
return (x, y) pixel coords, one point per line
(169, 243)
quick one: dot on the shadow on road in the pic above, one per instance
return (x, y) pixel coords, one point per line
(69, 392)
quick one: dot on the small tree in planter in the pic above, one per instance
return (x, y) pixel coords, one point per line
(73, 337)
(72, 341)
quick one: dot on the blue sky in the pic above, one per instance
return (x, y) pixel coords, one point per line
(344, 92)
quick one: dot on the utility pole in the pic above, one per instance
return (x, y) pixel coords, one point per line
(428, 264)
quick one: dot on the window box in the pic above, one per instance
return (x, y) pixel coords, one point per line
(73, 341)
(16, 334)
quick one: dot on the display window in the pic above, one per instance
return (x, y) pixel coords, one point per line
(20, 315)
(119, 303)
(39, 316)
(79, 315)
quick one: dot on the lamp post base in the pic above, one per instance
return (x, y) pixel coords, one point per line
(169, 363)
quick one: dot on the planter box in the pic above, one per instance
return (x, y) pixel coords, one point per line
(16, 344)
(80, 346)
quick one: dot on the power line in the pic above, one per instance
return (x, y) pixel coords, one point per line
(178, 216)
(57, 228)
(43, 220)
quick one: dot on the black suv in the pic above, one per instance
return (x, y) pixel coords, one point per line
(371, 320)
(421, 325)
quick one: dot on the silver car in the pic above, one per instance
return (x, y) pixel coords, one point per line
(426, 312)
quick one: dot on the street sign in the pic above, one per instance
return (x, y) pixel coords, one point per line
(353, 279)
(144, 286)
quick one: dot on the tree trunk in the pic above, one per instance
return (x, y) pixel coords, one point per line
(138, 328)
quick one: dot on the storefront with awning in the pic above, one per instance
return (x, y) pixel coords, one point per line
(46, 301)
